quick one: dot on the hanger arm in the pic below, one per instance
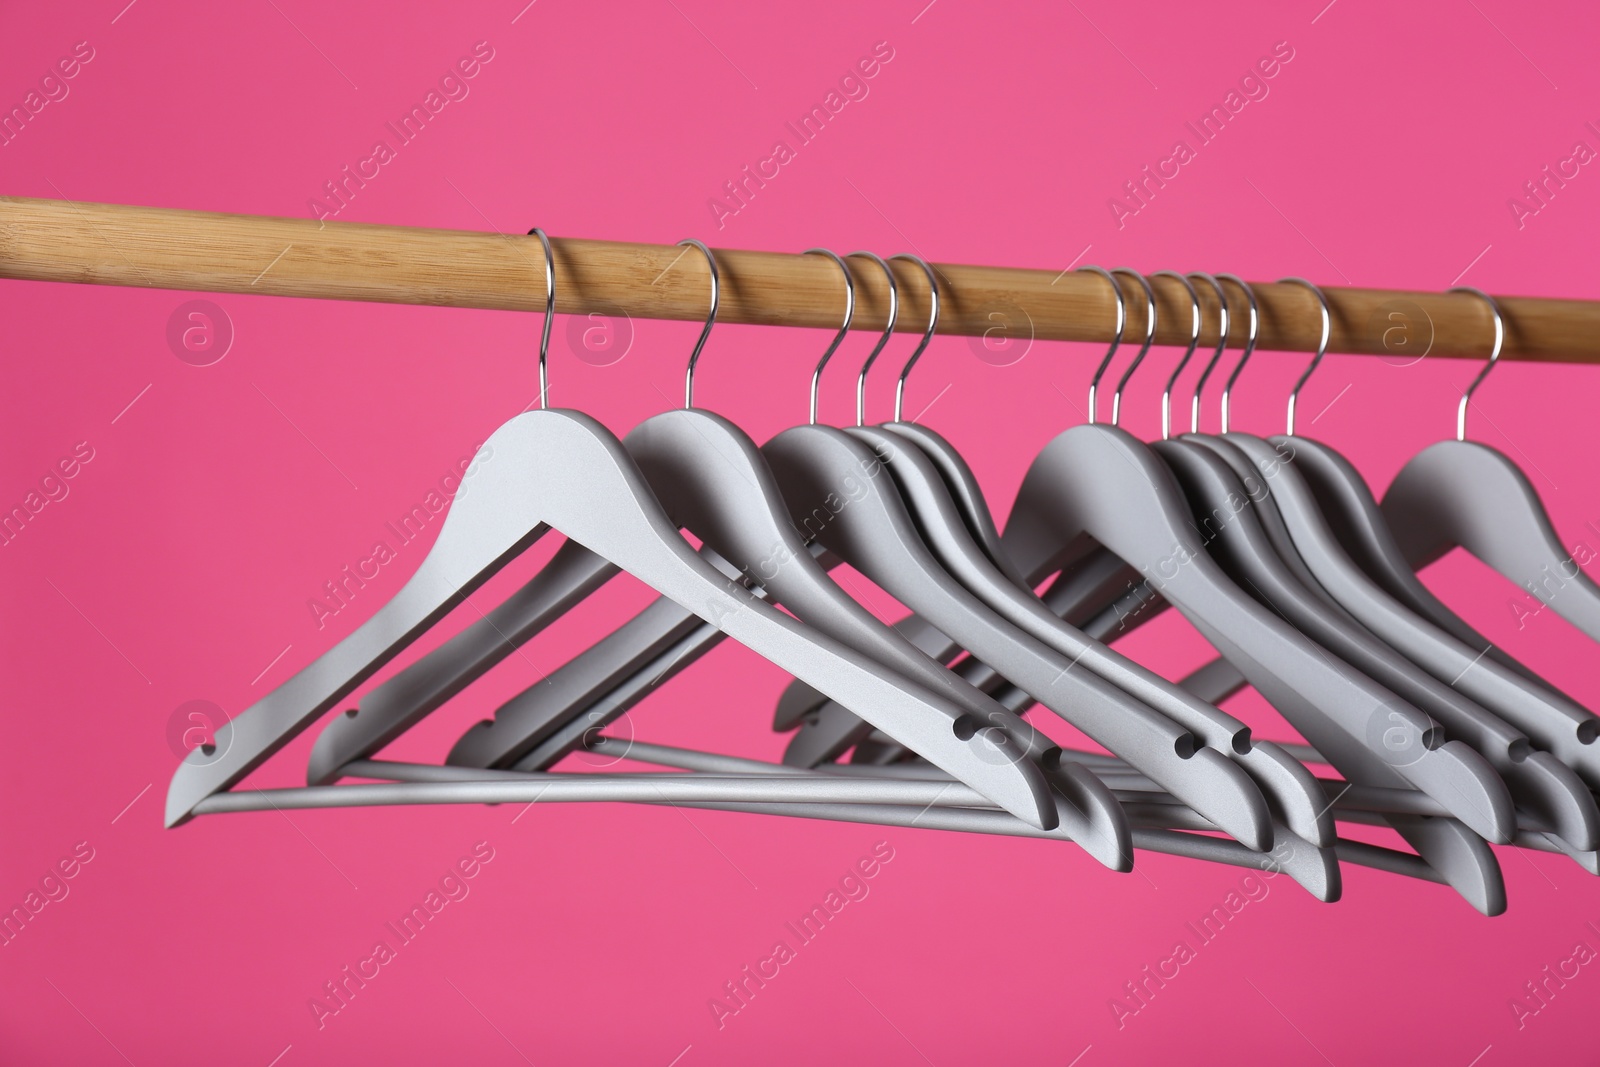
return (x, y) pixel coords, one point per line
(1461, 493)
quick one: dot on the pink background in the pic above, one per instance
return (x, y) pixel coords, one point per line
(180, 563)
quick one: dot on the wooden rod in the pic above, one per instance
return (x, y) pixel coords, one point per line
(163, 248)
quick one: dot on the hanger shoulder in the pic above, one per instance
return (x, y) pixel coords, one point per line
(1461, 493)
(966, 493)
(1353, 515)
(713, 479)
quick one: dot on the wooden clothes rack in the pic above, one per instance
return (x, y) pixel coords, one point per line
(163, 248)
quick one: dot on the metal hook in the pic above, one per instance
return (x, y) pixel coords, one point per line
(1252, 334)
(1494, 356)
(888, 331)
(1194, 342)
(1116, 338)
(711, 320)
(1222, 345)
(1322, 347)
(844, 330)
(1149, 336)
(549, 314)
(933, 324)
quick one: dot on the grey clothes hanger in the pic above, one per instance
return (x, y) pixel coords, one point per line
(1180, 568)
(870, 528)
(1459, 857)
(1353, 513)
(1535, 780)
(664, 625)
(924, 465)
(1465, 494)
(553, 470)
(1393, 645)
(1099, 482)
(1225, 510)
(1099, 581)
(1272, 568)
(711, 479)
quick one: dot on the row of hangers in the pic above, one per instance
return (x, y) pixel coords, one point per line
(1273, 548)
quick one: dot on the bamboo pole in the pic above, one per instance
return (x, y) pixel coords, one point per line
(163, 248)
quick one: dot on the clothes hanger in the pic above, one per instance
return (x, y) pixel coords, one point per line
(1226, 512)
(547, 721)
(1484, 704)
(925, 465)
(711, 479)
(1465, 494)
(923, 485)
(558, 470)
(1100, 482)
(1222, 684)
(872, 530)
(1459, 857)
(1448, 848)
(1291, 551)
(1353, 513)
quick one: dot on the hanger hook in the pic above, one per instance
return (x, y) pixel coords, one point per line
(1322, 346)
(1116, 338)
(844, 330)
(933, 324)
(549, 314)
(1149, 336)
(1494, 356)
(888, 332)
(1194, 342)
(1222, 345)
(711, 320)
(1252, 334)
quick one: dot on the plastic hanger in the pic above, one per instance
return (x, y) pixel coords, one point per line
(1226, 512)
(558, 470)
(924, 466)
(1352, 511)
(1384, 639)
(1099, 482)
(1465, 494)
(1455, 855)
(833, 476)
(711, 479)
(1220, 677)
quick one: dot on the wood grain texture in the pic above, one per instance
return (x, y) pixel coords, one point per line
(163, 248)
